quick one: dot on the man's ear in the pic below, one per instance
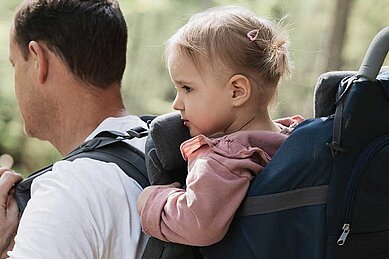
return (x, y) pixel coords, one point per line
(39, 55)
(240, 88)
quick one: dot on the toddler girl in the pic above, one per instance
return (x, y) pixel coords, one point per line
(226, 64)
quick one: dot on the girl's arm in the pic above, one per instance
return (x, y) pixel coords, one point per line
(201, 214)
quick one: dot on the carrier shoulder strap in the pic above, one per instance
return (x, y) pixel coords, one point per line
(269, 203)
(107, 146)
(336, 144)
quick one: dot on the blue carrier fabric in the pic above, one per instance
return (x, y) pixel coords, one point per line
(325, 193)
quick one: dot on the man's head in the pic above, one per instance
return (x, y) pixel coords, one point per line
(89, 35)
(69, 57)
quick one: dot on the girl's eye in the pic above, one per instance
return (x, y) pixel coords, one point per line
(187, 89)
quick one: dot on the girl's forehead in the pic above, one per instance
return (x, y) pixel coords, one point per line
(177, 56)
(181, 64)
(181, 67)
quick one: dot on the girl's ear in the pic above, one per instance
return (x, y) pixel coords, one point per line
(240, 87)
(37, 52)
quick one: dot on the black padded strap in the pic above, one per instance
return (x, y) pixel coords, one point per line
(336, 143)
(153, 249)
(107, 147)
(157, 249)
(128, 158)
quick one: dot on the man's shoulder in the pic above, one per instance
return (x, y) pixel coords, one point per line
(122, 124)
(81, 171)
(85, 176)
(85, 167)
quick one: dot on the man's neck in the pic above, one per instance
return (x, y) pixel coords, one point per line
(81, 115)
(74, 134)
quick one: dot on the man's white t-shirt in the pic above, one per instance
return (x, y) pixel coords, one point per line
(84, 209)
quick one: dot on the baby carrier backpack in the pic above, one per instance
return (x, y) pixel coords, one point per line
(325, 193)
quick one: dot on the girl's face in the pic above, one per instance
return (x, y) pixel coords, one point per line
(202, 96)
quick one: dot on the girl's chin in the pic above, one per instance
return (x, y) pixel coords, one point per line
(194, 133)
(217, 135)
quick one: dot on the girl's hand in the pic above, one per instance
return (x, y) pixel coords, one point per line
(144, 195)
(290, 121)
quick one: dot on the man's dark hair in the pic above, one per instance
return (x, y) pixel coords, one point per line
(89, 35)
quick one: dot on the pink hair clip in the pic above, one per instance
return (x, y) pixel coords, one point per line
(253, 34)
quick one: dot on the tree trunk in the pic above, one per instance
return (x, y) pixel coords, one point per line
(338, 31)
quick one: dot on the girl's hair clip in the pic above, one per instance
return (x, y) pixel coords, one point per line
(253, 34)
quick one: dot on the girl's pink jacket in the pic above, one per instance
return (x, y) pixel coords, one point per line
(219, 174)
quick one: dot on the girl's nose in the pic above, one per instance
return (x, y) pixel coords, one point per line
(177, 104)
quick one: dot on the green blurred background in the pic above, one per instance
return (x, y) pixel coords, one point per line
(325, 36)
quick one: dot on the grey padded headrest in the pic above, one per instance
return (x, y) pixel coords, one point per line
(324, 96)
(168, 132)
(326, 88)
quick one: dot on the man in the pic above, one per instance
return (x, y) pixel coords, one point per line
(69, 57)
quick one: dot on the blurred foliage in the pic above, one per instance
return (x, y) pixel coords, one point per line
(146, 84)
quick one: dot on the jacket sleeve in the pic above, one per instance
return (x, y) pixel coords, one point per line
(201, 214)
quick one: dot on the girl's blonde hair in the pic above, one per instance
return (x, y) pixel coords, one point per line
(235, 39)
